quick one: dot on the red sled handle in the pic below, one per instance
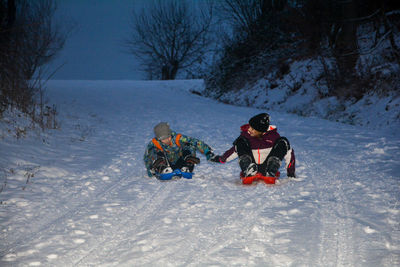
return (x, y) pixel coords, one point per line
(260, 177)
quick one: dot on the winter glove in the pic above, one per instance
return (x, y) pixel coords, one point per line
(192, 159)
(214, 158)
(159, 165)
(273, 165)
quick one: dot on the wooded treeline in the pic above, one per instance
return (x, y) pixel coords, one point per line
(269, 34)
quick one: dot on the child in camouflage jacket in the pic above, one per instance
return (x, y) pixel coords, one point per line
(169, 151)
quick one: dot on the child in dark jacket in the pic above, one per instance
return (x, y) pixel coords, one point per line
(260, 149)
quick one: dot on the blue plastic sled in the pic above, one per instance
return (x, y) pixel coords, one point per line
(175, 173)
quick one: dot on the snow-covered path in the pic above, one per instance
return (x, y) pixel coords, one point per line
(88, 201)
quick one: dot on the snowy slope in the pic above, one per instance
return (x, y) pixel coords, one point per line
(80, 196)
(300, 92)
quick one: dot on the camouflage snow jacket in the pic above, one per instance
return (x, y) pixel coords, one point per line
(174, 150)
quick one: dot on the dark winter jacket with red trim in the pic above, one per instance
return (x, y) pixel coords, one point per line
(261, 147)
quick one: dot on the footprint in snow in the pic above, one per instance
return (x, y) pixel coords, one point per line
(79, 241)
(79, 232)
(294, 211)
(369, 230)
(52, 256)
(289, 212)
(304, 194)
(167, 220)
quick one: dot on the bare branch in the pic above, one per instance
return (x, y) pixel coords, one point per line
(169, 36)
(29, 39)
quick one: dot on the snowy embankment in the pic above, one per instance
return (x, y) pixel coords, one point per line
(79, 196)
(300, 92)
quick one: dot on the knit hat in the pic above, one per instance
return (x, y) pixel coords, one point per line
(162, 131)
(260, 122)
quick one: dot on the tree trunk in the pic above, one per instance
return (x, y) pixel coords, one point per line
(11, 14)
(8, 12)
(169, 71)
(388, 28)
(346, 48)
(165, 73)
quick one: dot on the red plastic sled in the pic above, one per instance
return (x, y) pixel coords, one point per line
(259, 177)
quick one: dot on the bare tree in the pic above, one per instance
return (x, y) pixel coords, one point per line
(245, 15)
(29, 39)
(168, 36)
(45, 37)
(240, 14)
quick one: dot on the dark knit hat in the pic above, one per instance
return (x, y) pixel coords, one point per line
(162, 131)
(260, 122)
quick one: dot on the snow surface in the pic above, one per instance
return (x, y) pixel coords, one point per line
(80, 196)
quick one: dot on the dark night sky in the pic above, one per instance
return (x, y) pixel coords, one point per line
(94, 50)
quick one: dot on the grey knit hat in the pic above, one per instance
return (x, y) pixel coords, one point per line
(162, 131)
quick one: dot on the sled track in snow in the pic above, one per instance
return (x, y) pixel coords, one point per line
(70, 212)
(335, 248)
(140, 224)
(136, 226)
(220, 232)
(146, 209)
